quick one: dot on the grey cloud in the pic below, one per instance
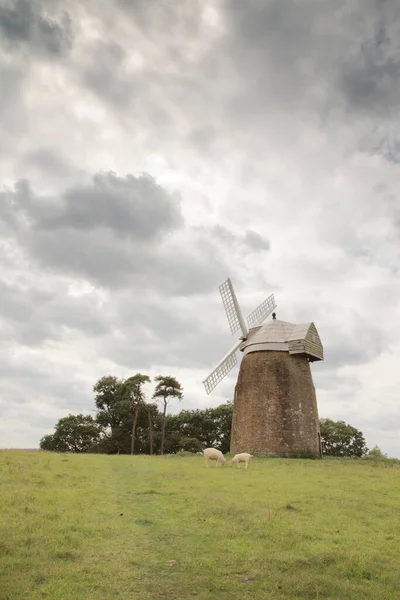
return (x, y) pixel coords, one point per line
(97, 256)
(101, 258)
(131, 206)
(250, 240)
(192, 347)
(49, 160)
(24, 382)
(11, 82)
(344, 385)
(107, 77)
(165, 89)
(370, 77)
(341, 55)
(31, 315)
(164, 16)
(359, 343)
(186, 332)
(115, 232)
(24, 22)
(13, 115)
(255, 241)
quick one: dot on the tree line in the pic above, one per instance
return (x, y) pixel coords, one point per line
(126, 422)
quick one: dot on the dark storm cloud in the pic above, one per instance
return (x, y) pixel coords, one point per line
(24, 23)
(313, 55)
(321, 58)
(370, 76)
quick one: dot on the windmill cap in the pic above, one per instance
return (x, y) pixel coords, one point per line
(283, 336)
(276, 331)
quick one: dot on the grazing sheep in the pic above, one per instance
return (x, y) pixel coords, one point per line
(213, 454)
(244, 457)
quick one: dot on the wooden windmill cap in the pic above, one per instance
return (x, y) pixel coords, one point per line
(283, 336)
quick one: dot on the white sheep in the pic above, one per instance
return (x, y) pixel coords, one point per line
(213, 454)
(244, 457)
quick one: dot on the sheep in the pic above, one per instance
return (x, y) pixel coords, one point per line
(244, 457)
(213, 454)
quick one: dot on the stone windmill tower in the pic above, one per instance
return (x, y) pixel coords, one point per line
(275, 406)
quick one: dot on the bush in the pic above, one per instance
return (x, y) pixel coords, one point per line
(305, 454)
(376, 456)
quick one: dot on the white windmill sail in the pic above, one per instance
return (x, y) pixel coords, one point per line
(222, 369)
(232, 309)
(236, 322)
(261, 312)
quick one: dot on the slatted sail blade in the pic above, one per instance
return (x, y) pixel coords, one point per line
(226, 364)
(232, 309)
(261, 312)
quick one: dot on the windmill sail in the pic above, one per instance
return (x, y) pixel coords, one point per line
(261, 312)
(236, 322)
(223, 368)
(231, 305)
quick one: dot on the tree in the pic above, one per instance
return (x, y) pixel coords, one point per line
(120, 440)
(74, 433)
(109, 400)
(150, 429)
(132, 389)
(339, 439)
(221, 417)
(210, 427)
(167, 387)
(52, 443)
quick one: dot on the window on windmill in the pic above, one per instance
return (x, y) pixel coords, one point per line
(313, 337)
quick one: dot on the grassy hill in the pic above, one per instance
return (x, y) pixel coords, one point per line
(110, 527)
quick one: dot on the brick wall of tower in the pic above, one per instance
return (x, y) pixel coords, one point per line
(275, 407)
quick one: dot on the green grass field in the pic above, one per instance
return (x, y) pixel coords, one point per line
(99, 527)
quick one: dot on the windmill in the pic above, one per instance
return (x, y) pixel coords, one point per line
(275, 407)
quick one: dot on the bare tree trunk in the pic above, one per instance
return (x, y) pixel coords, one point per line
(163, 428)
(150, 430)
(135, 418)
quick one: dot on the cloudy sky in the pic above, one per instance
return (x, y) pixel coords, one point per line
(149, 150)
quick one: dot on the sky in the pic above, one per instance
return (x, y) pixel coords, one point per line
(150, 150)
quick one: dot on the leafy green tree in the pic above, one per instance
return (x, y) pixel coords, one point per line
(52, 443)
(190, 444)
(210, 426)
(74, 433)
(132, 390)
(167, 387)
(220, 434)
(119, 441)
(112, 407)
(339, 439)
